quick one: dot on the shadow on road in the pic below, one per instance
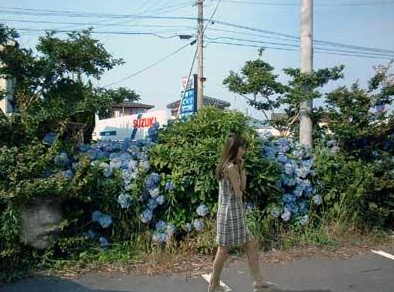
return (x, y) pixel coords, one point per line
(280, 290)
(52, 284)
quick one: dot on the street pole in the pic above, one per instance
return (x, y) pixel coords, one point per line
(306, 67)
(200, 39)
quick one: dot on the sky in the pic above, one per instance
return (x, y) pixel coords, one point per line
(341, 21)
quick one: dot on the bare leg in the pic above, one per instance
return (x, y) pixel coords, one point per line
(220, 259)
(253, 262)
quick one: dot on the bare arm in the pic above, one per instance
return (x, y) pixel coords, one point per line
(243, 177)
(234, 177)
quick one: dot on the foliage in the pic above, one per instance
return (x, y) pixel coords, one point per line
(355, 192)
(187, 153)
(268, 94)
(359, 119)
(54, 86)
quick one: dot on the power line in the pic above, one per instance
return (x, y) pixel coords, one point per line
(319, 48)
(106, 32)
(269, 3)
(297, 46)
(158, 11)
(93, 23)
(319, 51)
(152, 65)
(276, 34)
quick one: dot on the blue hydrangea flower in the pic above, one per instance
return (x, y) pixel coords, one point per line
(83, 148)
(68, 174)
(282, 158)
(145, 165)
(283, 145)
(132, 165)
(146, 215)
(303, 206)
(169, 186)
(289, 169)
(50, 138)
(154, 193)
(105, 220)
(286, 215)
(278, 184)
(75, 166)
(307, 163)
(202, 210)
(170, 229)
(198, 224)
(152, 204)
(62, 160)
(288, 198)
(302, 172)
(275, 213)
(298, 153)
(103, 241)
(161, 225)
(317, 200)
(107, 171)
(292, 207)
(298, 191)
(269, 152)
(96, 216)
(155, 177)
(150, 183)
(90, 234)
(267, 135)
(249, 207)
(161, 200)
(159, 237)
(187, 227)
(304, 220)
(291, 182)
(124, 200)
(308, 191)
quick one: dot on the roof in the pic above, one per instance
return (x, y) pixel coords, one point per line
(206, 101)
(128, 104)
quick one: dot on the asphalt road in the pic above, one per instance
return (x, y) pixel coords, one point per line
(369, 272)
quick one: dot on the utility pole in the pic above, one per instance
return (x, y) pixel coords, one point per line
(200, 44)
(306, 67)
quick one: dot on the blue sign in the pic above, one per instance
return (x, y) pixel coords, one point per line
(189, 101)
(187, 107)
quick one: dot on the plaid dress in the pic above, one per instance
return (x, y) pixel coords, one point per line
(231, 222)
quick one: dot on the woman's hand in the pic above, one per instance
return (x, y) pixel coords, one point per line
(240, 163)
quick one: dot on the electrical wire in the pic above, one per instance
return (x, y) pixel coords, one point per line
(152, 65)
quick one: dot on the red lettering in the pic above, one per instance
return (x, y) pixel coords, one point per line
(143, 123)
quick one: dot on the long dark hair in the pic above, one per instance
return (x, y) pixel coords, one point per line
(229, 153)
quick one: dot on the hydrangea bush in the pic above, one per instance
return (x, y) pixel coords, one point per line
(295, 182)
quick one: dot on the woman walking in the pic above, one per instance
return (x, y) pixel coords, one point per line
(231, 223)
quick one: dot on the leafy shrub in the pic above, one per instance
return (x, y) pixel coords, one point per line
(187, 154)
(355, 191)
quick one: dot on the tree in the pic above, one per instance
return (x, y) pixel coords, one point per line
(359, 118)
(268, 94)
(54, 87)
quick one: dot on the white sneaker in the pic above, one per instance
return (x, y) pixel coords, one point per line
(219, 288)
(263, 287)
